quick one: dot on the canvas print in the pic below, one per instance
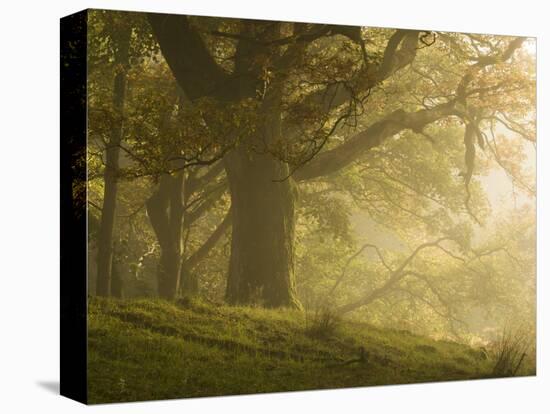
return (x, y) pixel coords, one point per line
(284, 206)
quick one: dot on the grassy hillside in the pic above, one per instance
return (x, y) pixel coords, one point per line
(151, 349)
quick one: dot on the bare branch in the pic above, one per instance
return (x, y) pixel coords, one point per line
(394, 278)
(351, 258)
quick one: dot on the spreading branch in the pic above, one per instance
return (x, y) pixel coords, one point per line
(357, 146)
(194, 68)
(393, 280)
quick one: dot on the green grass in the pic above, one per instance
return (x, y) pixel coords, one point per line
(152, 349)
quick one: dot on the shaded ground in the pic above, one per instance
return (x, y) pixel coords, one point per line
(151, 349)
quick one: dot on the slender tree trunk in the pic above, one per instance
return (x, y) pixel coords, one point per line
(261, 268)
(165, 211)
(189, 283)
(108, 212)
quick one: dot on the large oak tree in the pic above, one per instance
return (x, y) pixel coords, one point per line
(295, 103)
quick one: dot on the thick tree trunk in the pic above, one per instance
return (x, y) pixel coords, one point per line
(168, 273)
(165, 211)
(263, 210)
(261, 268)
(112, 150)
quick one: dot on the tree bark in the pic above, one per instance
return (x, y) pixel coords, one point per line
(165, 211)
(112, 150)
(261, 268)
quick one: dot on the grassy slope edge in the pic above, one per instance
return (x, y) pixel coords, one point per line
(152, 349)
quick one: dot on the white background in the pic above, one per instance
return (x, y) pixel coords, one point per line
(29, 206)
